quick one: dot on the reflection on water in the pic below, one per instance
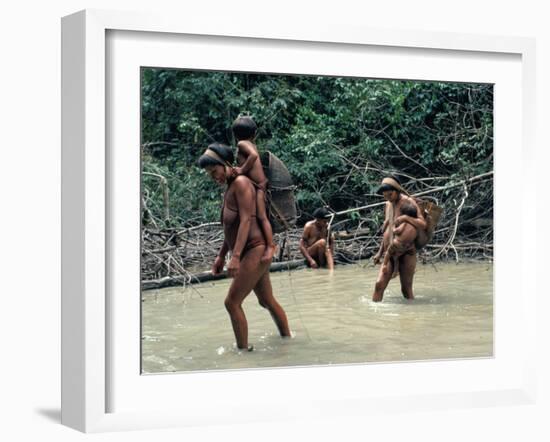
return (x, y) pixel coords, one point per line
(332, 319)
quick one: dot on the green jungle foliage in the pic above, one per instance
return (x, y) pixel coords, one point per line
(337, 136)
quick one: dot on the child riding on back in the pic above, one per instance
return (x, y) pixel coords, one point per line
(249, 164)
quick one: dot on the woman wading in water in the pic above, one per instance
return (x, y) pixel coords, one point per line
(245, 240)
(396, 198)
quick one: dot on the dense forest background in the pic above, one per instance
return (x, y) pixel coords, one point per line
(337, 136)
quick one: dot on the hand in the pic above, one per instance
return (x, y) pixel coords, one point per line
(400, 219)
(236, 171)
(313, 264)
(376, 259)
(233, 266)
(217, 267)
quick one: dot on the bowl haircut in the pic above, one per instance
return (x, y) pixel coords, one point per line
(244, 128)
(321, 213)
(224, 151)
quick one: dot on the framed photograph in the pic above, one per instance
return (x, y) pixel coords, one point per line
(152, 331)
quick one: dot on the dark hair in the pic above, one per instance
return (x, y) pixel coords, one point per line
(321, 213)
(386, 187)
(225, 152)
(244, 128)
(409, 209)
(395, 177)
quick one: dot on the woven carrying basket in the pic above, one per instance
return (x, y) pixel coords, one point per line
(432, 213)
(281, 204)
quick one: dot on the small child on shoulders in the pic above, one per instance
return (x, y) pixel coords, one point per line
(249, 164)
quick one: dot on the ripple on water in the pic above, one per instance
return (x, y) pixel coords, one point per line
(332, 317)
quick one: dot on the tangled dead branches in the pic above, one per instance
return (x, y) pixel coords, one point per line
(465, 230)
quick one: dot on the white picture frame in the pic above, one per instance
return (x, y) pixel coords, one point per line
(87, 356)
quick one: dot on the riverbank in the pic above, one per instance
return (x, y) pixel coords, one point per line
(205, 276)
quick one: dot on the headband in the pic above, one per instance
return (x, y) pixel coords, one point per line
(390, 181)
(210, 153)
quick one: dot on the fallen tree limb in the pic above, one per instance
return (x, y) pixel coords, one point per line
(176, 255)
(453, 235)
(427, 192)
(172, 281)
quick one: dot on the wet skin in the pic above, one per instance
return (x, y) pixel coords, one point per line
(403, 241)
(251, 166)
(313, 244)
(244, 238)
(406, 262)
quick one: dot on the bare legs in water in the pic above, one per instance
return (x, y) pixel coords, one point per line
(407, 266)
(253, 275)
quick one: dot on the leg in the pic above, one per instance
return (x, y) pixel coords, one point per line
(407, 266)
(321, 252)
(395, 250)
(317, 252)
(382, 281)
(242, 285)
(395, 267)
(264, 292)
(329, 258)
(265, 225)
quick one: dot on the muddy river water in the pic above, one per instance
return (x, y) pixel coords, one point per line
(332, 318)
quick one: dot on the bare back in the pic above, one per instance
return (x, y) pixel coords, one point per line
(256, 171)
(405, 233)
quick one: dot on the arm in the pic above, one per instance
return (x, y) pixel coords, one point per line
(329, 252)
(378, 255)
(251, 154)
(386, 218)
(245, 199)
(303, 247)
(399, 229)
(419, 223)
(217, 267)
(386, 262)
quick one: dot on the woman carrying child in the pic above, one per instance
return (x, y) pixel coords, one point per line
(403, 241)
(402, 249)
(243, 237)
